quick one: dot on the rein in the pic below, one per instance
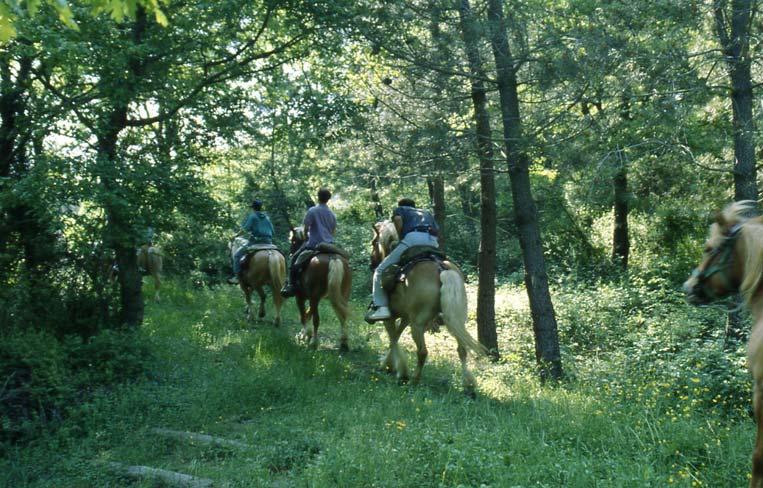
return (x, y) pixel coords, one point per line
(720, 259)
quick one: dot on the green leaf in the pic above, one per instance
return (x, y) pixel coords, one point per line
(161, 19)
(33, 6)
(65, 14)
(7, 30)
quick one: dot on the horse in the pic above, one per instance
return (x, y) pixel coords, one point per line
(327, 274)
(428, 294)
(263, 267)
(732, 263)
(150, 259)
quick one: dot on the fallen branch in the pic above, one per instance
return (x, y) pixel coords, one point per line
(169, 477)
(200, 438)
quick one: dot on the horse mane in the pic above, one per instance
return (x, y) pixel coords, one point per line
(739, 213)
(387, 235)
(298, 233)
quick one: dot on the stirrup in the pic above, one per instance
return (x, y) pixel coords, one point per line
(288, 290)
(378, 313)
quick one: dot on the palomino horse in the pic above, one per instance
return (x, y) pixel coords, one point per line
(264, 267)
(426, 293)
(733, 262)
(150, 259)
(327, 274)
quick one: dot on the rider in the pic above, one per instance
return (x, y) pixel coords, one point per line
(416, 227)
(320, 226)
(260, 231)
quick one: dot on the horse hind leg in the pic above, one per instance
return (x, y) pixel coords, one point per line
(261, 294)
(153, 264)
(248, 297)
(470, 384)
(157, 285)
(417, 332)
(757, 455)
(341, 310)
(277, 304)
(395, 362)
(316, 322)
(303, 334)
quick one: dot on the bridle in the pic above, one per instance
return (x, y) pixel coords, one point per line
(719, 262)
(376, 247)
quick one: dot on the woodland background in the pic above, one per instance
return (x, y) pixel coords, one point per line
(573, 152)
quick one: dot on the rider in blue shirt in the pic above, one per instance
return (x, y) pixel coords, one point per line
(260, 231)
(415, 227)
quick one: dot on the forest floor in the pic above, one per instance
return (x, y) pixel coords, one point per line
(232, 403)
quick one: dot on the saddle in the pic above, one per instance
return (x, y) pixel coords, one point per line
(322, 248)
(412, 256)
(253, 249)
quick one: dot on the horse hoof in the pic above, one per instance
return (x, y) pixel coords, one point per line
(343, 347)
(261, 315)
(403, 380)
(471, 394)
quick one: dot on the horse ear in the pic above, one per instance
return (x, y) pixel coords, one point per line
(720, 219)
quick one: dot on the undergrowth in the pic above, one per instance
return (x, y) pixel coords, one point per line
(651, 399)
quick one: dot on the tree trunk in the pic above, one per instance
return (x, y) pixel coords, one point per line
(438, 201)
(378, 209)
(436, 182)
(620, 240)
(734, 38)
(120, 236)
(536, 281)
(12, 107)
(486, 329)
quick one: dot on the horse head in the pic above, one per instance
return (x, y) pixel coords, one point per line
(725, 267)
(385, 239)
(297, 237)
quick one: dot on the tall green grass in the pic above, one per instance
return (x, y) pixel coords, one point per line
(630, 413)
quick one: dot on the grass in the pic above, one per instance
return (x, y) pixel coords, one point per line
(317, 418)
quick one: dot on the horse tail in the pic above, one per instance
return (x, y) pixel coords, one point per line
(277, 268)
(155, 260)
(334, 289)
(453, 306)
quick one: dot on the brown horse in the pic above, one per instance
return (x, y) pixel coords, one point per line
(325, 275)
(733, 262)
(426, 295)
(150, 259)
(266, 267)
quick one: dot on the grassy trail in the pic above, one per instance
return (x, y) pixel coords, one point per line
(315, 418)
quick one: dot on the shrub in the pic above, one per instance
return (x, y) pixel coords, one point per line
(41, 377)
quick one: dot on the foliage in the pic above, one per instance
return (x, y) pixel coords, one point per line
(44, 377)
(12, 12)
(325, 419)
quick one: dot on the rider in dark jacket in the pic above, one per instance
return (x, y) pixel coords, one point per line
(415, 227)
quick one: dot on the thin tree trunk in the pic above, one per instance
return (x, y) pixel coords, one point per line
(620, 240)
(437, 183)
(536, 281)
(378, 209)
(734, 37)
(12, 108)
(438, 200)
(486, 329)
(120, 236)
